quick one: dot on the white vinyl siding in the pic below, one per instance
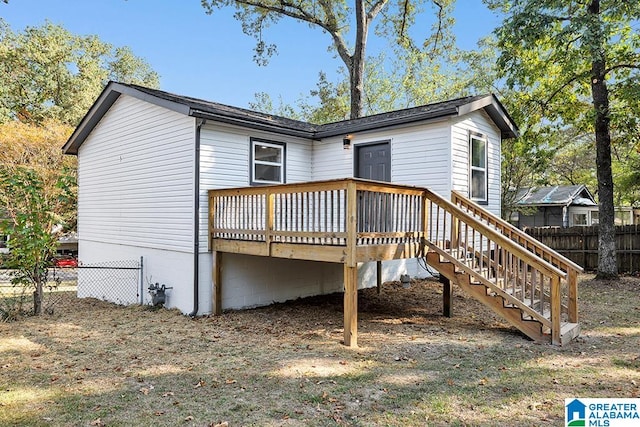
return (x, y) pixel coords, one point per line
(419, 155)
(135, 174)
(225, 156)
(480, 123)
(330, 160)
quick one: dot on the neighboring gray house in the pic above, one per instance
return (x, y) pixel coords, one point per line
(146, 159)
(555, 206)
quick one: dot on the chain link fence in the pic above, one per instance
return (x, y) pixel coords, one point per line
(119, 282)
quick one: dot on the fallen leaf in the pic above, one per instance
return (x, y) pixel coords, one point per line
(158, 413)
(230, 381)
(189, 418)
(200, 383)
(223, 424)
(97, 422)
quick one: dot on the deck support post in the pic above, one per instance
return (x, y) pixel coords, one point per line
(447, 293)
(217, 283)
(351, 269)
(350, 306)
(379, 276)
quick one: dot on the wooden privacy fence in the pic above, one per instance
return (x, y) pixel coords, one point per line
(580, 244)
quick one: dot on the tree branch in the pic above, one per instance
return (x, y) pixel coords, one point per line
(438, 34)
(334, 31)
(375, 9)
(295, 11)
(615, 67)
(567, 83)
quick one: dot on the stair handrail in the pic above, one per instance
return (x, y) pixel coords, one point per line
(504, 240)
(538, 247)
(555, 274)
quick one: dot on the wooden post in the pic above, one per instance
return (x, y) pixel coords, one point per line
(217, 283)
(556, 308)
(352, 223)
(573, 295)
(447, 293)
(212, 209)
(269, 220)
(425, 222)
(350, 306)
(455, 227)
(379, 276)
(351, 269)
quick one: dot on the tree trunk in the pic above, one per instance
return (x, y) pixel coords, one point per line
(356, 71)
(607, 262)
(37, 299)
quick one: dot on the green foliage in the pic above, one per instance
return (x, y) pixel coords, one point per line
(48, 73)
(32, 243)
(37, 199)
(547, 53)
(578, 60)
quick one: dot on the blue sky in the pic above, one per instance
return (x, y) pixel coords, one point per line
(208, 56)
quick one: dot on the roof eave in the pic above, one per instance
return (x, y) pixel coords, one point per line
(391, 122)
(494, 108)
(105, 100)
(253, 124)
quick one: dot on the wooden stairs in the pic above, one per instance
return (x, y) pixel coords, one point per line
(526, 283)
(522, 315)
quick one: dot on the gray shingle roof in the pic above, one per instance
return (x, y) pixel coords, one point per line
(252, 119)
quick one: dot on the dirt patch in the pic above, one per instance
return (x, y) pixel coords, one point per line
(94, 364)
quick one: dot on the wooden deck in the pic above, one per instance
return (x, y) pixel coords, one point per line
(352, 221)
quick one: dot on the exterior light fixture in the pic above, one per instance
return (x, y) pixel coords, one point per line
(346, 143)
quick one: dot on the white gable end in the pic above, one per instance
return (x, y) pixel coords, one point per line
(479, 123)
(135, 176)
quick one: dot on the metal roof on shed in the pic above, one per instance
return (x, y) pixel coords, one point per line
(558, 195)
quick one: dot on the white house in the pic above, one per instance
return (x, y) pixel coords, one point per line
(146, 159)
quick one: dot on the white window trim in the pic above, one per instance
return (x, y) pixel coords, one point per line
(483, 138)
(278, 145)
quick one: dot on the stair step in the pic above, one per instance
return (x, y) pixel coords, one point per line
(511, 303)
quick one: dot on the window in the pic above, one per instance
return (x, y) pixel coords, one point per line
(579, 219)
(595, 217)
(267, 162)
(478, 168)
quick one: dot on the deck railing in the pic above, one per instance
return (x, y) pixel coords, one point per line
(570, 284)
(317, 213)
(356, 220)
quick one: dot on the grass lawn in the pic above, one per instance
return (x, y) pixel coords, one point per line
(96, 364)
